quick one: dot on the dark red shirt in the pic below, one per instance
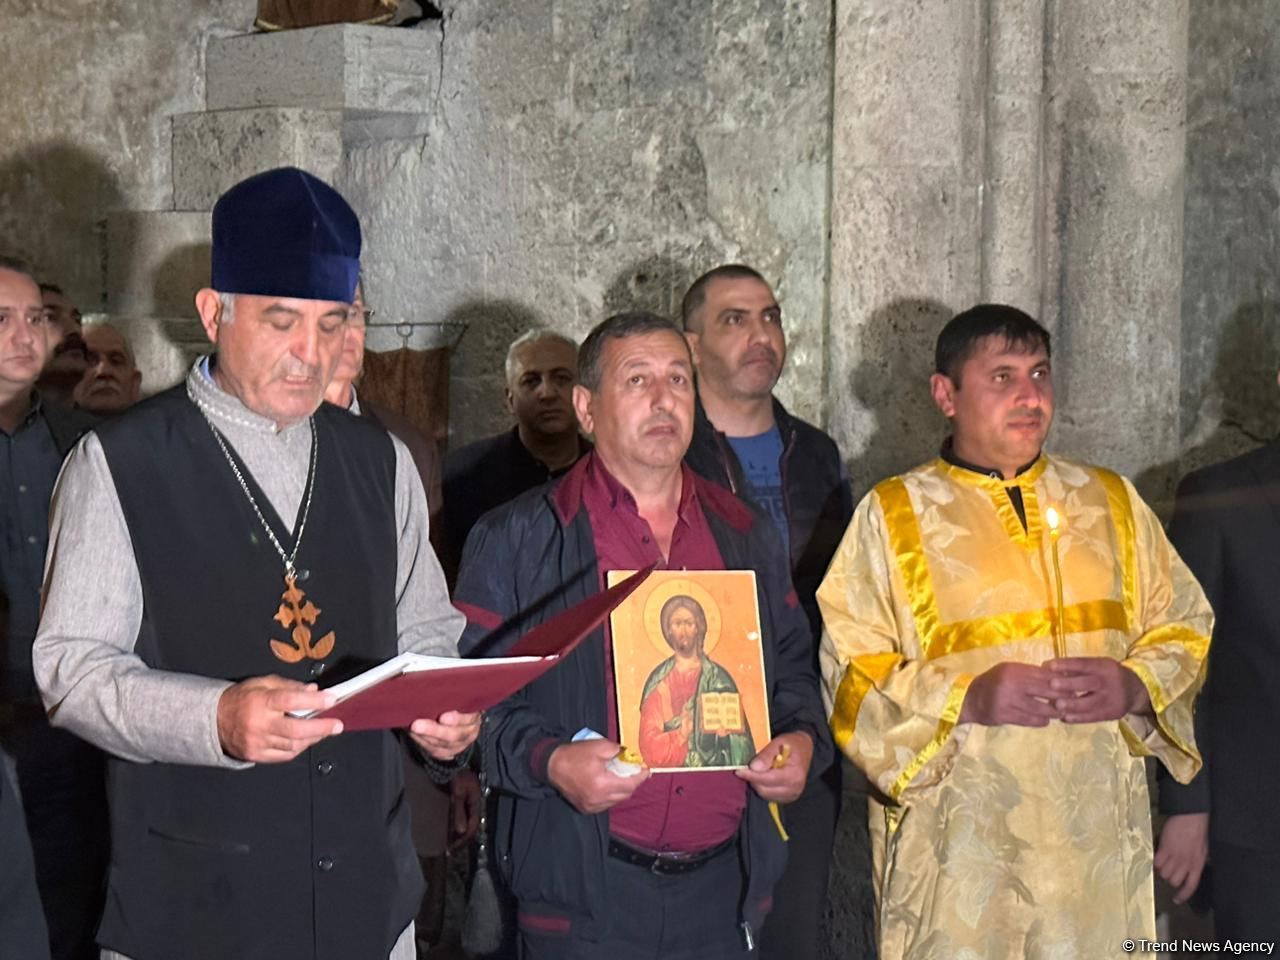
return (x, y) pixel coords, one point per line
(669, 811)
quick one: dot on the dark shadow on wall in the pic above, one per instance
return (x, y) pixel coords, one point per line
(656, 283)
(54, 200)
(891, 382)
(477, 367)
(184, 271)
(1240, 409)
(175, 281)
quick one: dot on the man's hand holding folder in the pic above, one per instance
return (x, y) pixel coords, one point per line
(438, 698)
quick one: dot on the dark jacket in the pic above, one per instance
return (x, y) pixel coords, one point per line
(481, 476)
(815, 487)
(66, 424)
(529, 560)
(1226, 526)
(22, 927)
(66, 427)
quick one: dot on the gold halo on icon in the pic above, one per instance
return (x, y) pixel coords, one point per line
(674, 588)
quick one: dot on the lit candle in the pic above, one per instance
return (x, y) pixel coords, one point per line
(1059, 629)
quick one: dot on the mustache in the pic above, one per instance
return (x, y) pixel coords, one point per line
(659, 420)
(306, 371)
(761, 352)
(1026, 413)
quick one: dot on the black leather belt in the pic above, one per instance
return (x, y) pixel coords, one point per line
(666, 863)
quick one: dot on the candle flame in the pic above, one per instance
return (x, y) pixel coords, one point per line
(1051, 517)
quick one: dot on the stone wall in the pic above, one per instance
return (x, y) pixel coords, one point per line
(1231, 252)
(89, 90)
(584, 156)
(1110, 166)
(1025, 151)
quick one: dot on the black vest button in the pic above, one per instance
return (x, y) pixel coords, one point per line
(317, 668)
(325, 864)
(324, 767)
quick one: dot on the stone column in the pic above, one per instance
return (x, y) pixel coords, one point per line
(1116, 143)
(1012, 211)
(906, 252)
(906, 231)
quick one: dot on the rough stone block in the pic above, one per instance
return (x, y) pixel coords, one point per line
(156, 261)
(343, 67)
(213, 151)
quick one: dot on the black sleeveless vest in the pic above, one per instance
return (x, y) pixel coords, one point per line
(310, 859)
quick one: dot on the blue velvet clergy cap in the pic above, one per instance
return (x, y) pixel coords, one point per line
(285, 233)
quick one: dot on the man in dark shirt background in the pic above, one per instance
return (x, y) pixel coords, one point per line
(61, 776)
(541, 370)
(67, 358)
(745, 440)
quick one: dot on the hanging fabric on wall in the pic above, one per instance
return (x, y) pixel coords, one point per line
(291, 14)
(411, 382)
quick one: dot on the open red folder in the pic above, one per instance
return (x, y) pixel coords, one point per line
(412, 686)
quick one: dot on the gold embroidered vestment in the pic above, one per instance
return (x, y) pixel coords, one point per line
(1007, 841)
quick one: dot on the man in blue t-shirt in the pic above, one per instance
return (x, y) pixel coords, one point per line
(745, 440)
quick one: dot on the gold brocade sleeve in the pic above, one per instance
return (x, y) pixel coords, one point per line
(1173, 622)
(892, 712)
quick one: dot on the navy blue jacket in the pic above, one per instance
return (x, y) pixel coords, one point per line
(534, 557)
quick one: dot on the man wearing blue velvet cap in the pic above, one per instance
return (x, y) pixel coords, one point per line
(213, 552)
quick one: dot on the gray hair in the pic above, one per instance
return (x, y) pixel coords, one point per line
(536, 335)
(228, 301)
(124, 337)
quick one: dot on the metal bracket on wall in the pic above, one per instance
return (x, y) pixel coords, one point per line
(404, 330)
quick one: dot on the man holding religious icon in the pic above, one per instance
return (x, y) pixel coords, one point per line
(999, 682)
(213, 552)
(680, 864)
(690, 709)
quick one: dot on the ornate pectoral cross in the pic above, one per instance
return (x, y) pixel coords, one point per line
(300, 616)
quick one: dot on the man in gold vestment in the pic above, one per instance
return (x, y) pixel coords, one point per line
(1000, 681)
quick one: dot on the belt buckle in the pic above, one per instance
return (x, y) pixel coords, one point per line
(668, 866)
(675, 863)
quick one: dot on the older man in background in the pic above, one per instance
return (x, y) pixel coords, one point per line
(541, 369)
(112, 381)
